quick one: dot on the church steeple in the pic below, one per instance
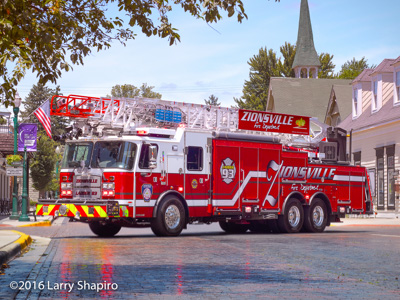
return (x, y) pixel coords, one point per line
(306, 61)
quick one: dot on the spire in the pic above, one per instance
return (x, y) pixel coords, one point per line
(306, 56)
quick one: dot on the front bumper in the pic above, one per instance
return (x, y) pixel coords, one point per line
(99, 209)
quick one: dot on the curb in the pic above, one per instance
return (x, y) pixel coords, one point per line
(13, 249)
(41, 223)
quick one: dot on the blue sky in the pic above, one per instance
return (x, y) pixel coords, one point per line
(213, 60)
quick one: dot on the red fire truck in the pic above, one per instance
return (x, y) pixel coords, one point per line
(161, 164)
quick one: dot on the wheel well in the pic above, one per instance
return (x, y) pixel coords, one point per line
(179, 197)
(295, 195)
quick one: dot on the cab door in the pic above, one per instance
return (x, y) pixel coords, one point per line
(197, 173)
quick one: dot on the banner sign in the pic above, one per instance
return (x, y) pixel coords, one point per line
(273, 122)
(27, 137)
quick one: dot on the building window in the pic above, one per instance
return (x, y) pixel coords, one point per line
(357, 158)
(375, 96)
(380, 191)
(195, 159)
(390, 177)
(355, 103)
(398, 86)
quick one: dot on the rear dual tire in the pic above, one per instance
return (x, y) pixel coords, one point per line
(316, 216)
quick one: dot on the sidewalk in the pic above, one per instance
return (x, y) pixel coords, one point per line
(13, 242)
(378, 220)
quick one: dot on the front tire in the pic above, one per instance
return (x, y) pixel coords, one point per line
(170, 218)
(316, 216)
(293, 217)
(104, 230)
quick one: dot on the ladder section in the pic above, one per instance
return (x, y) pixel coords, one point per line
(127, 114)
(130, 113)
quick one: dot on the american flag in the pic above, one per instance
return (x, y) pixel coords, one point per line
(43, 114)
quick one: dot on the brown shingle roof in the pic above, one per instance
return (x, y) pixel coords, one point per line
(384, 67)
(396, 61)
(387, 113)
(364, 76)
(6, 143)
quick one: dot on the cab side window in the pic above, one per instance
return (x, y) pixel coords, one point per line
(194, 158)
(144, 161)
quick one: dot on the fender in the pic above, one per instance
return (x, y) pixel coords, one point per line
(296, 195)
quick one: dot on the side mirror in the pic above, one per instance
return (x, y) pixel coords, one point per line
(152, 157)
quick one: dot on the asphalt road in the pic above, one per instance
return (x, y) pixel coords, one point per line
(68, 261)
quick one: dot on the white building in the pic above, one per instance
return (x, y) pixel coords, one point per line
(375, 131)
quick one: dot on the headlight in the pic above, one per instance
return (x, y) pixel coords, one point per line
(66, 185)
(108, 186)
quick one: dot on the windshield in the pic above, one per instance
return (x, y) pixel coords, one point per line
(75, 153)
(116, 154)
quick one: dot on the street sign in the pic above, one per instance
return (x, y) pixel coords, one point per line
(14, 172)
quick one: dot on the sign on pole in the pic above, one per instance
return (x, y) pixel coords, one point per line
(10, 171)
(273, 122)
(27, 137)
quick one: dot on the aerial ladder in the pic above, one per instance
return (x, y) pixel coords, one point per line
(100, 116)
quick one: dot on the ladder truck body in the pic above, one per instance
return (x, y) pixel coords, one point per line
(162, 164)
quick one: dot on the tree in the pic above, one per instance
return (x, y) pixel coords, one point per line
(36, 97)
(51, 36)
(131, 91)
(288, 52)
(263, 66)
(352, 68)
(43, 163)
(212, 100)
(327, 66)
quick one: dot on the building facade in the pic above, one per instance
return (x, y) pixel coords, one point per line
(6, 147)
(374, 126)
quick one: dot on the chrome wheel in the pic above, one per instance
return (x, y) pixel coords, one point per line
(318, 216)
(172, 217)
(294, 216)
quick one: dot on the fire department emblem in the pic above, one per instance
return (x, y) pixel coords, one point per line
(195, 184)
(147, 191)
(228, 170)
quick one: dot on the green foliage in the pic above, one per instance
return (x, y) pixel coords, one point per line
(13, 158)
(2, 120)
(131, 91)
(288, 52)
(49, 37)
(212, 100)
(43, 164)
(37, 95)
(352, 68)
(263, 66)
(327, 66)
